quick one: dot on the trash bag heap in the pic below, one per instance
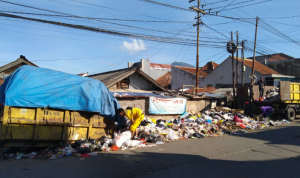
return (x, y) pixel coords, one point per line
(36, 87)
(190, 126)
(154, 132)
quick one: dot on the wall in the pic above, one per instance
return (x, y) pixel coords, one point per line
(143, 104)
(287, 67)
(145, 66)
(180, 77)
(156, 73)
(222, 75)
(198, 105)
(138, 82)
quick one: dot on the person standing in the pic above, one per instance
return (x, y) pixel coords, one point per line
(261, 86)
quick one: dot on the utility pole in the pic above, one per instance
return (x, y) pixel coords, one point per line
(198, 10)
(237, 59)
(233, 72)
(254, 53)
(243, 65)
(197, 57)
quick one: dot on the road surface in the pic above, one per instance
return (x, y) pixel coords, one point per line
(274, 152)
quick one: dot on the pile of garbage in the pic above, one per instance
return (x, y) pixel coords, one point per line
(272, 95)
(189, 125)
(82, 148)
(152, 132)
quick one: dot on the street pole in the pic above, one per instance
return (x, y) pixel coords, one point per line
(233, 73)
(253, 65)
(237, 59)
(198, 24)
(243, 58)
(254, 53)
(197, 57)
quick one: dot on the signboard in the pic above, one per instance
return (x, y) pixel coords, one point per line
(167, 105)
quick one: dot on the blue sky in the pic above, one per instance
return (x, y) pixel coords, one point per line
(76, 51)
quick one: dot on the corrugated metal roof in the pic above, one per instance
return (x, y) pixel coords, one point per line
(165, 80)
(21, 60)
(162, 66)
(112, 77)
(273, 57)
(259, 67)
(210, 66)
(193, 70)
(201, 90)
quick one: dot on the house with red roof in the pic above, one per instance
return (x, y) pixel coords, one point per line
(221, 76)
(282, 63)
(187, 75)
(154, 70)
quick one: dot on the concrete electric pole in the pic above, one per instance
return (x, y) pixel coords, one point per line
(254, 53)
(198, 10)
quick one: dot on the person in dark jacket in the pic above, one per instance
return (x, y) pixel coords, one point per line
(261, 86)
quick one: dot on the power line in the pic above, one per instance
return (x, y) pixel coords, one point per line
(215, 30)
(71, 59)
(166, 5)
(82, 17)
(286, 17)
(244, 6)
(152, 38)
(131, 20)
(216, 2)
(276, 32)
(119, 10)
(232, 4)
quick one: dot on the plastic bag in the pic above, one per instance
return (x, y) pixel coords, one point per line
(121, 138)
(184, 115)
(93, 154)
(237, 119)
(114, 148)
(132, 143)
(171, 134)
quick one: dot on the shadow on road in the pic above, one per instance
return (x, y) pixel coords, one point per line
(265, 161)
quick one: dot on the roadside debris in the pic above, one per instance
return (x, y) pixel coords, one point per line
(153, 132)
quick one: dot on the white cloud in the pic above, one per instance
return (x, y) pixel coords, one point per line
(136, 45)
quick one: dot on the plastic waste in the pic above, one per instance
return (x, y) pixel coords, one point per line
(132, 143)
(237, 119)
(85, 155)
(53, 157)
(171, 134)
(93, 154)
(184, 115)
(160, 143)
(122, 138)
(114, 148)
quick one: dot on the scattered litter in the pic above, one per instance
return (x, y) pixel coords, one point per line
(152, 132)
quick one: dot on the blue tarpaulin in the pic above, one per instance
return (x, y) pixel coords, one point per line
(37, 87)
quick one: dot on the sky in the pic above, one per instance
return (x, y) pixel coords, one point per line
(78, 51)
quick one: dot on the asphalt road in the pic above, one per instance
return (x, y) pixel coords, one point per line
(274, 152)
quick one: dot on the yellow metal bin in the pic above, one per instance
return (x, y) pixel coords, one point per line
(42, 127)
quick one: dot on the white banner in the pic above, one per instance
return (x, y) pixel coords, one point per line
(167, 105)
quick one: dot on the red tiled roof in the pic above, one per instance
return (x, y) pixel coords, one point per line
(279, 57)
(210, 66)
(165, 80)
(193, 70)
(163, 66)
(201, 90)
(259, 67)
